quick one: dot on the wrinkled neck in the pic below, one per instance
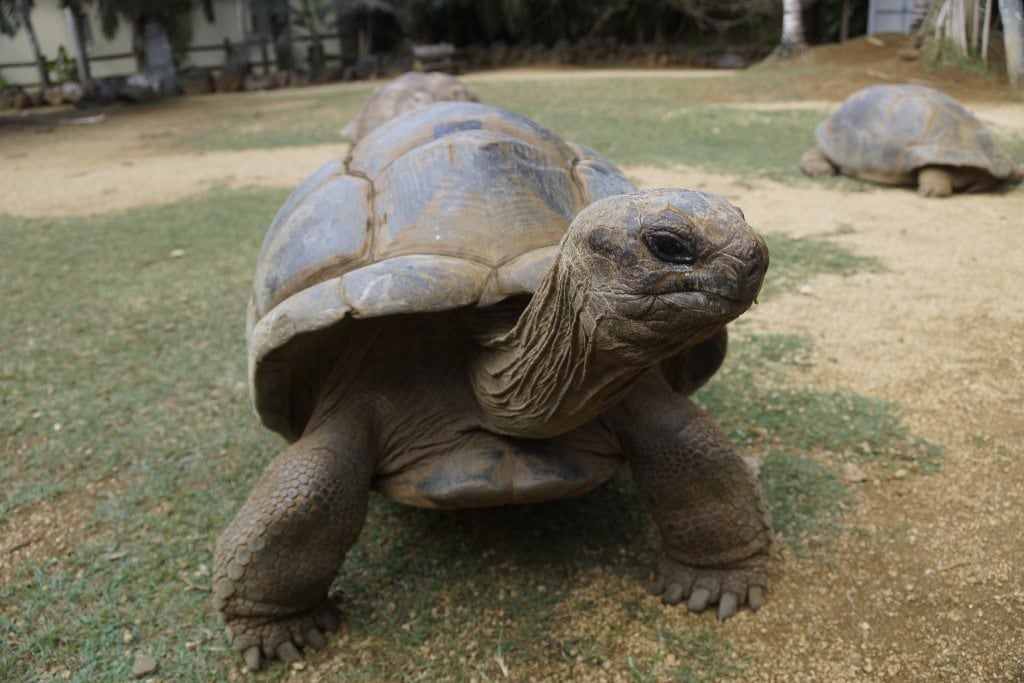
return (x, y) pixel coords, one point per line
(554, 370)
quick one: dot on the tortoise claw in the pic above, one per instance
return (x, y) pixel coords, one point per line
(727, 605)
(728, 588)
(755, 597)
(261, 639)
(699, 600)
(315, 639)
(251, 656)
(287, 652)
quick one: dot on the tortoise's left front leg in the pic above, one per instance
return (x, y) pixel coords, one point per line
(705, 500)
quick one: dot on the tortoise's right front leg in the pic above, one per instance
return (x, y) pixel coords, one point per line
(706, 502)
(275, 562)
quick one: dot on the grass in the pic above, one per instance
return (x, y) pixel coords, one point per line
(278, 119)
(672, 125)
(667, 123)
(123, 375)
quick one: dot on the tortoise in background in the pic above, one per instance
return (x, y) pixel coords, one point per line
(405, 93)
(466, 312)
(909, 135)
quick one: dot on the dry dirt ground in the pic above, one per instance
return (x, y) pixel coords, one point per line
(930, 584)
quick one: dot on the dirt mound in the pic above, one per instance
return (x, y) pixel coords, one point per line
(840, 69)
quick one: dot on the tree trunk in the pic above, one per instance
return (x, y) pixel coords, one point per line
(986, 27)
(74, 22)
(159, 58)
(793, 42)
(844, 22)
(1012, 13)
(24, 16)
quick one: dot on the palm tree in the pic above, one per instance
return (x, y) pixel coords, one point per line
(16, 14)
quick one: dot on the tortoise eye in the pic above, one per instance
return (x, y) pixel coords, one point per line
(670, 247)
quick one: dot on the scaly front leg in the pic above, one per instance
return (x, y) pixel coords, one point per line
(708, 505)
(275, 562)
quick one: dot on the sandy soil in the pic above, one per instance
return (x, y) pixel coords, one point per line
(933, 590)
(930, 584)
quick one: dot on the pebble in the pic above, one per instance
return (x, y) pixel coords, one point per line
(853, 473)
(143, 666)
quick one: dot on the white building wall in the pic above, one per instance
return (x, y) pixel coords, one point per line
(107, 56)
(113, 57)
(51, 31)
(894, 16)
(231, 20)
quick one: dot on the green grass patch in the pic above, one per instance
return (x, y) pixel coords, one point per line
(666, 120)
(125, 365)
(118, 355)
(1012, 144)
(763, 403)
(944, 54)
(657, 121)
(696, 658)
(807, 499)
(284, 118)
(795, 260)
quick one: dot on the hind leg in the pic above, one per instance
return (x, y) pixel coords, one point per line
(813, 162)
(275, 562)
(705, 500)
(934, 181)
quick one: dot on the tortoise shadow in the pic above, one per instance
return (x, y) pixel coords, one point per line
(607, 526)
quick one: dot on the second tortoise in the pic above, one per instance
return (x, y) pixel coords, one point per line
(404, 93)
(909, 135)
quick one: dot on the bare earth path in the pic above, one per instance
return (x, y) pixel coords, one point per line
(929, 582)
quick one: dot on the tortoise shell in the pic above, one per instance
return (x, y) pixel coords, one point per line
(889, 132)
(450, 205)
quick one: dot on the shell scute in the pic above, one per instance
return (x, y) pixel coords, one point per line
(321, 237)
(410, 130)
(597, 177)
(325, 171)
(413, 283)
(496, 197)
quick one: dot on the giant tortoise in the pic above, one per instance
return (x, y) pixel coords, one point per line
(468, 311)
(909, 135)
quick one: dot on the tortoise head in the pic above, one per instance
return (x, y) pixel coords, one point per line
(639, 279)
(662, 270)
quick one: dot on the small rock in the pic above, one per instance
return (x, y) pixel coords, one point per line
(143, 666)
(805, 289)
(900, 473)
(909, 54)
(178, 253)
(140, 87)
(754, 463)
(853, 473)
